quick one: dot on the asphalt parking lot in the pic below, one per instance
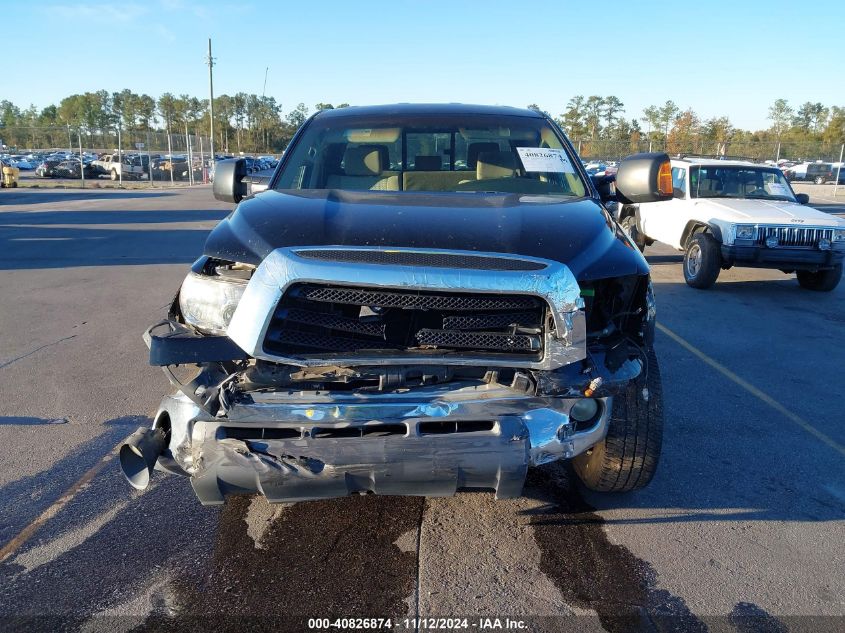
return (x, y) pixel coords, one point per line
(741, 530)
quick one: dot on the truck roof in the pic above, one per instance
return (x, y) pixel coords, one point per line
(715, 162)
(416, 109)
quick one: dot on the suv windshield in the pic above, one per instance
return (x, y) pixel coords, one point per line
(510, 154)
(739, 182)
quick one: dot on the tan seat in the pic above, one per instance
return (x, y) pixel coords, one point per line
(474, 149)
(495, 165)
(363, 168)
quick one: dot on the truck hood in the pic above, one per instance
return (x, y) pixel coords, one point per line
(574, 232)
(765, 212)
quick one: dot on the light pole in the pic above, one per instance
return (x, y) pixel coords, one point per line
(210, 62)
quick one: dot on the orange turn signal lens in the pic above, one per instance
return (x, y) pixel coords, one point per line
(664, 179)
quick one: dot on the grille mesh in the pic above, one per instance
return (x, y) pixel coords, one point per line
(333, 322)
(386, 299)
(492, 321)
(484, 340)
(793, 236)
(322, 341)
(411, 258)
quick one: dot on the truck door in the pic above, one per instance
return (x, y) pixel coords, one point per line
(665, 221)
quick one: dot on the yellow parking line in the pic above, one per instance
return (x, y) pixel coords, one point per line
(15, 544)
(754, 391)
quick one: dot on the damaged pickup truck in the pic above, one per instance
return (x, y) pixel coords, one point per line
(426, 299)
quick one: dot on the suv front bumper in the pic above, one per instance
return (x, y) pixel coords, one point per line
(431, 441)
(790, 258)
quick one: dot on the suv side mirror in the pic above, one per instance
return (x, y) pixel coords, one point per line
(228, 175)
(802, 198)
(644, 178)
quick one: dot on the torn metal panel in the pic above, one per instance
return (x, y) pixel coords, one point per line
(429, 466)
(431, 441)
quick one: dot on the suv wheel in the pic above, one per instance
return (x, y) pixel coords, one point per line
(702, 261)
(629, 225)
(823, 280)
(627, 457)
(819, 180)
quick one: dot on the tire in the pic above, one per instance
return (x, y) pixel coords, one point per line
(628, 456)
(702, 261)
(629, 225)
(819, 180)
(113, 174)
(821, 281)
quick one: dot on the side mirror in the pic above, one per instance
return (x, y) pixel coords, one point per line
(644, 178)
(678, 193)
(802, 198)
(228, 175)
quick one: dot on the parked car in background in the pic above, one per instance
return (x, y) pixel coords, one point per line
(818, 173)
(733, 213)
(73, 169)
(114, 168)
(47, 169)
(23, 164)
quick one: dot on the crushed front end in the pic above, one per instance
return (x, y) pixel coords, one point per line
(328, 371)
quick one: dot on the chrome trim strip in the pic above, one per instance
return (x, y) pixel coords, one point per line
(280, 269)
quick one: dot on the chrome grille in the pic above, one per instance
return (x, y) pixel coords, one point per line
(794, 236)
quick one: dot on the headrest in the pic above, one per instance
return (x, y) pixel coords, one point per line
(365, 160)
(474, 149)
(428, 163)
(495, 165)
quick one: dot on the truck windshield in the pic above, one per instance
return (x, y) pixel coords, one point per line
(481, 153)
(739, 182)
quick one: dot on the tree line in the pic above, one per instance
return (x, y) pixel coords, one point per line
(600, 120)
(250, 123)
(242, 122)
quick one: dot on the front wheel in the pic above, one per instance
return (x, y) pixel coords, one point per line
(822, 280)
(113, 174)
(819, 180)
(702, 261)
(627, 458)
(629, 225)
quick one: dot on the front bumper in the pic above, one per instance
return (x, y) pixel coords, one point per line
(431, 441)
(789, 258)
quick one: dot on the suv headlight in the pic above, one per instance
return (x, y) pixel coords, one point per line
(839, 235)
(745, 232)
(208, 303)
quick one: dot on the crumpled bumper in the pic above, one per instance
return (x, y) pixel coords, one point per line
(432, 441)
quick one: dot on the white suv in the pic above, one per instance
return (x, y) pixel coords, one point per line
(732, 213)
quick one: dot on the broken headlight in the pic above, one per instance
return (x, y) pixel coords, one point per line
(208, 303)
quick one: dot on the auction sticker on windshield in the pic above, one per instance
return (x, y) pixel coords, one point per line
(776, 189)
(545, 160)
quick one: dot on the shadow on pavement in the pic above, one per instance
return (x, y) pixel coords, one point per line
(24, 499)
(46, 196)
(57, 239)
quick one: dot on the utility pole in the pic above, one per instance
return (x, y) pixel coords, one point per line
(210, 62)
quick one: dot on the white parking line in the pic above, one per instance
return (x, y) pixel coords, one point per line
(25, 534)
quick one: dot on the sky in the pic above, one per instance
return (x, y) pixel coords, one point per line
(721, 58)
